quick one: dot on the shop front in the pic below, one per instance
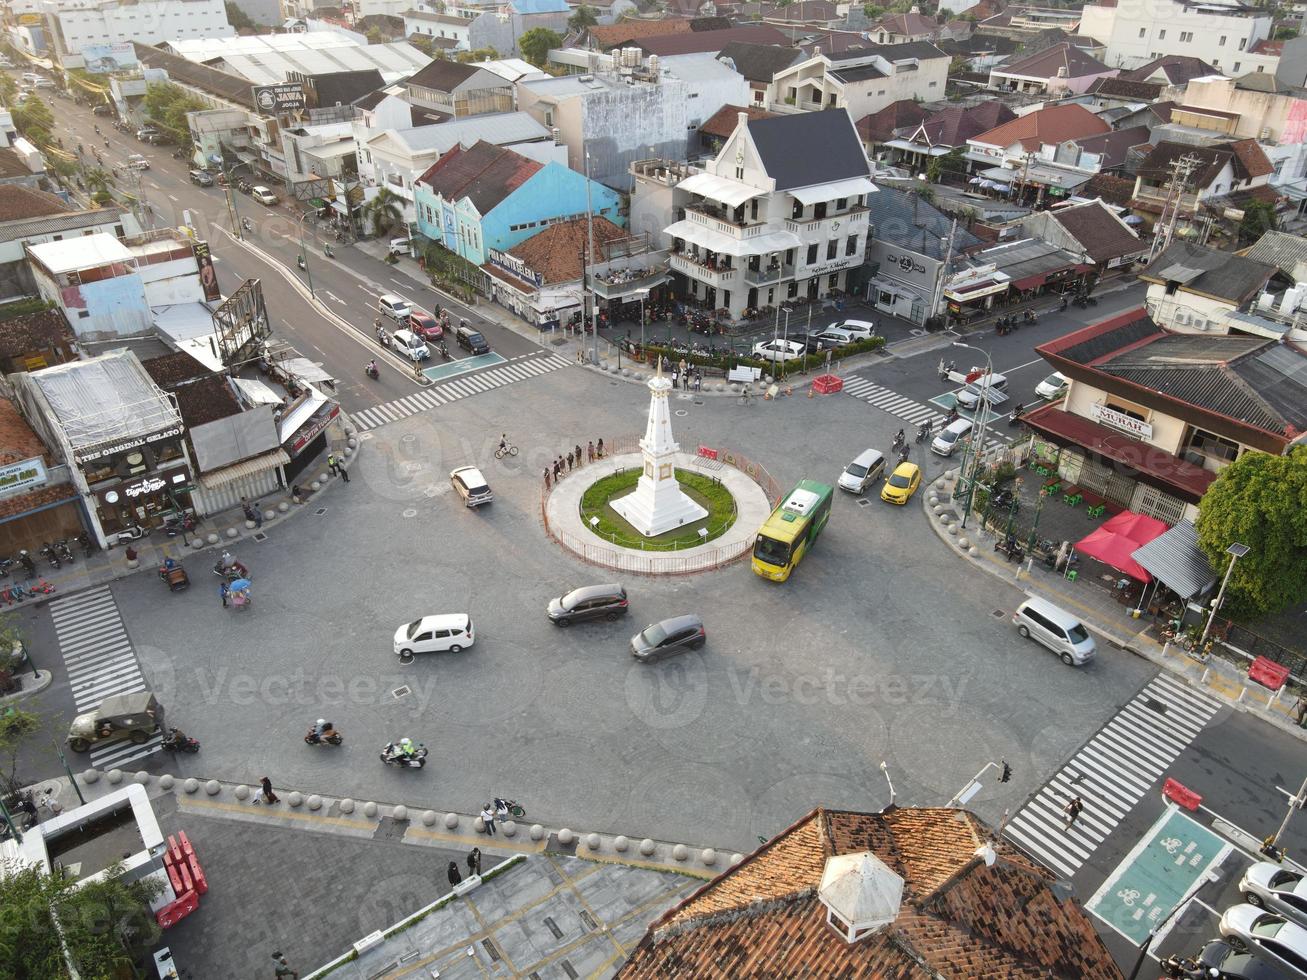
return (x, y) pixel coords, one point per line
(37, 504)
(303, 429)
(147, 499)
(974, 292)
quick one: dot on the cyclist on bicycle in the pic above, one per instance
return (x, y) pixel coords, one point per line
(503, 442)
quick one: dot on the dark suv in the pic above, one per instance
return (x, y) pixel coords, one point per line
(471, 340)
(202, 177)
(668, 638)
(589, 602)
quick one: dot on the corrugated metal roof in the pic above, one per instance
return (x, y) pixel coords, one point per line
(1279, 248)
(1176, 559)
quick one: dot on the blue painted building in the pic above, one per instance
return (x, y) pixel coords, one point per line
(486, 196)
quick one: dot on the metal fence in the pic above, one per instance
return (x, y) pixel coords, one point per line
(1244, 643)
(592, 549)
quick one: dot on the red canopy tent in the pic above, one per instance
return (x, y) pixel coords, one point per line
(1119, 538)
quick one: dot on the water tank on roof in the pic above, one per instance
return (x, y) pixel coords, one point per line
(1265, 301)
(653, 64)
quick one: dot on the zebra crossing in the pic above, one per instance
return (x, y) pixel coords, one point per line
(456, 388)
(892, 402)
(100, 662)
(1111, 773)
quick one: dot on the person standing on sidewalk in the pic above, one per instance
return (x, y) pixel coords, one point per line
(265, 793)
(488, 818)
(1072, 811)
(453, 874)
(577, 450)
(474, 861)
(283, 968)
(332, 466)
(590, 451)
(546, 477)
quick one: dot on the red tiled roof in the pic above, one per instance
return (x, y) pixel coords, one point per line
(911, 24)
(484, 173)
(605, 36)
(1267, 46)
(1252, 157)
(555, 253)
(1055, 124)
(44, 330)
(18, 201)
(960, 918)
(17, 438)
(879, 126)
(1180, 476)
(723, 122)
(699, 42)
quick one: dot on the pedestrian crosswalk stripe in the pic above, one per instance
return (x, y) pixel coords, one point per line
(100, 662)
(890, 401)
(1110, 773)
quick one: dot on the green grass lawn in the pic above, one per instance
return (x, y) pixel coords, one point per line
(612, 527)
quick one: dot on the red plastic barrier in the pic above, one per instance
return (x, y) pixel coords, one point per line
(174, 876)
(1268, 673)
(1181, 794)
(827, 384)
(185, 843)
(174, 851)
(188, 883)
(707, 452)
(174, 912)
(201, 882)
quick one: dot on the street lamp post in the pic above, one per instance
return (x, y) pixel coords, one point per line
(304, 256)
(978, 443)
(787, 311)
(642, 293)
(1235, 551)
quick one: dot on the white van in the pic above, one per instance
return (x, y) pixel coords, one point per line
(263, 195)
(863, 471)
(434, 634)
(947, 441)
(1038, 619)
(395, 307)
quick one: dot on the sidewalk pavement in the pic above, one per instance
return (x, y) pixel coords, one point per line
(1102, 613)
(579, 347)
(226, 529)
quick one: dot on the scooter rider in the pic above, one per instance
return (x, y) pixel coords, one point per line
(371, 368)
(406, 747)
(320, 728)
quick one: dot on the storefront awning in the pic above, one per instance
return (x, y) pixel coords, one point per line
(246, 467)
(716, 241)
(730, 192)
(1177, 561)
(910, 147)
(834, 190)
(300, 414)
(897, 288)
(256, 392)
(1177, 476)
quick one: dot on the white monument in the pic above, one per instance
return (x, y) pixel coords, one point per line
(658, 504)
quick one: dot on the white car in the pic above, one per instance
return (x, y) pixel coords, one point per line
(950, 437)
(778, 350)
(263, 195)
(863, 471)
(861, 329)
(469, 484)
(991, 387)
(1277, 889)
(410, 345)
(137, 162)
(1053, 387)
(450, 633)
(1267, 936)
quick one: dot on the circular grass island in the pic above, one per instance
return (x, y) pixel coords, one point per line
(710, 494)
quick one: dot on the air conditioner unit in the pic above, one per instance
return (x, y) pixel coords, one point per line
(1181, 318)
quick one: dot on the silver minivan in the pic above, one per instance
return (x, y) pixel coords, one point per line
(1038, 619)
(863, 471)
(395, 307)
(949, 437)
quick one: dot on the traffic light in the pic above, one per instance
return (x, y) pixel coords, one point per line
(1007, 773)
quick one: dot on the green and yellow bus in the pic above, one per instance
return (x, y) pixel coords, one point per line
(792, 530)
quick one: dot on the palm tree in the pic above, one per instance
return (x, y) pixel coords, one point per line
(385, 210)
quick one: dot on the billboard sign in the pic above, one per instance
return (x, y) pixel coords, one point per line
(101, 59)
(275, 99)
(208, 275)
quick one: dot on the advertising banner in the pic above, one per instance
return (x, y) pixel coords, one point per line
(275, 99)
(101, 59)
(208, 274)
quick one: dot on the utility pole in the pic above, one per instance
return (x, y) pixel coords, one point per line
(586, 279)
(1270, 846)
(937, 295)
(1181, 170)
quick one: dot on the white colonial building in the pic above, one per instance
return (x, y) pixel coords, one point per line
(769, 220)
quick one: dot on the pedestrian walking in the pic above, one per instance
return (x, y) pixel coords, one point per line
(698, 380)
(265, 793)
(223, 591)
(547, 480)
(283, 968)
(453, 873)
(555, 469)
(297, 494)
(344, 473)
(682, 367)
(252, 513)
(488, 818)
(474, 861)
(599, 449)
(1072, 811)
(569, 461)
(590, 451)
(577, 450)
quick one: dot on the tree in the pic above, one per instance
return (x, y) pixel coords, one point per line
(941, 166)
(385, 210)
(1261, 501)
(103, 925)
(8, 89)
(423, 44)
(535, 44)
(480, 54)
(238, 18)
(873, 12)
(1285, 34)
(16, 727)
(33, 119)
(375, 36)
(583, 19)
(1258, 218)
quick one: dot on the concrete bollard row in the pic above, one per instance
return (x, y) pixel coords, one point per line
(91, 777)
(347, 805)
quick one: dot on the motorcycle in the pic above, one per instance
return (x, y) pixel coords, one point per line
(329, 736)
(247, 224)
(904, 453)
(300, 262)
(923, 432)
(1015, 418)
(326, 250)
(1179, 967)
(174, 526)
(1011, 548)
(370, 369)
(444, 351)
(132, 532)
(178, 741)
(508, 808)
(900, 440)
(28, 565)
(229, 569)
(49, 554)
(64, 552)
(393, 755)
(5, 565)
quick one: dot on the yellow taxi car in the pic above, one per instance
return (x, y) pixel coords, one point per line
(902, 483)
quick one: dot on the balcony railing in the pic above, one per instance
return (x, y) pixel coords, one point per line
(718, 219)
(852, 218)
(625, 287)
(690, 266)
(766, 275)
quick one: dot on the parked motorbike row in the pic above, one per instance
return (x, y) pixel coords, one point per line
(17, 593)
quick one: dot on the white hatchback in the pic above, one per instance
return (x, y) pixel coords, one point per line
(263, 195)
(410, 345)
(435, 634)
(778, 350)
